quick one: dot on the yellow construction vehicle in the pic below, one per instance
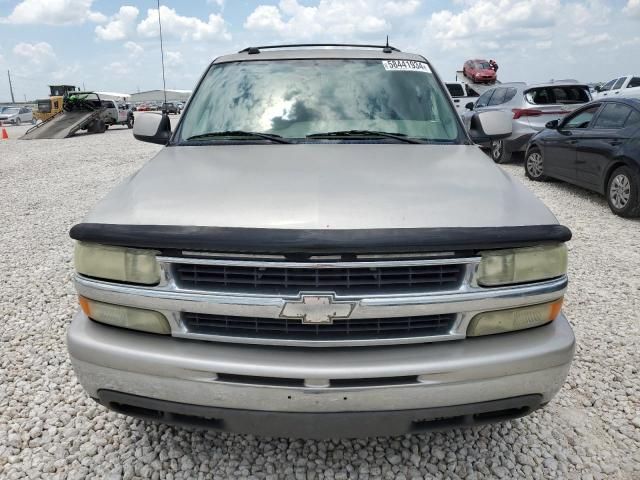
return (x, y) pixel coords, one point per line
(48, 107)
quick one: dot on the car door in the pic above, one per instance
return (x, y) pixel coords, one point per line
(616, 89)
(122, 113)
(598, 146)
(560, 147)
(480, 106)
(634, 84)
(24, 115)
(606, 88)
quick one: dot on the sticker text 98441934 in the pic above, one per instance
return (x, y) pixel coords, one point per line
(406, 65)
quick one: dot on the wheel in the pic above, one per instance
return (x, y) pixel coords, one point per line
(534, 166)
(623, 192)
(97, 126)
(18, 122)
(130, 122)
(499, 152)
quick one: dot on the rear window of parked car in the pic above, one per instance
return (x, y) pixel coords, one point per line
(455, 90)
(635, 82)
(613, 115)
(558, 95)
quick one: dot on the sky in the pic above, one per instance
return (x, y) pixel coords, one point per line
(112, 45)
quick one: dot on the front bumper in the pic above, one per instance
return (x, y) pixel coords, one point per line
(308, 392)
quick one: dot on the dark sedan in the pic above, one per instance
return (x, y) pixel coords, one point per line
(596, 147)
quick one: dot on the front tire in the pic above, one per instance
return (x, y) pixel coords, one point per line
(499, 152)
(623, 192)
(534, 165)
(18, 122)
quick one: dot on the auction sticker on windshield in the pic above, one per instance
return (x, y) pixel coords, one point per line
(406, 66)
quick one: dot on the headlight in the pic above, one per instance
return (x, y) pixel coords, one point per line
(519, 265)
(514, 319)
(117, 263)
(125, 317)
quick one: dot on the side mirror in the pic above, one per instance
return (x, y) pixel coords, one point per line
(553, 124)
(488, 126)
(469, 106)
(152, 128)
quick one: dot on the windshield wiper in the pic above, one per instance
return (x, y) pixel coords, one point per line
(240, 133)
(366, 133)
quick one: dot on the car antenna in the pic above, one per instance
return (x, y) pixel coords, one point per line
(164, 83)
(387, 48)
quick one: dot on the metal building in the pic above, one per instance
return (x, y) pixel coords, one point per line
(158, 96)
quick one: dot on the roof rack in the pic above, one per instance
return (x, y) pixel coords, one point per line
(255, 50)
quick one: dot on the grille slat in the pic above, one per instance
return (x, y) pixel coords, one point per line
(293, 329)
(350, 280)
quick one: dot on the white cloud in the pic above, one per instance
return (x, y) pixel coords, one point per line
(173, 59)
(505, 24)
(120, 68)
(134, 49)
(38, 54)
(334, 18)
(494, 19)
(120, 25)
(54, 12)
(589, 40)
(633, 8)
(186, 28)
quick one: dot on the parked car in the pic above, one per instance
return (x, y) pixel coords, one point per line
(171, 107)
(301, 261)
(624, 87)
(143, 107)
(16, 116)
(479, 71)
(531, 107)
(598, 148)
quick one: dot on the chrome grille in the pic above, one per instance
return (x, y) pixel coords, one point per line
(354, 279)
(294, 329)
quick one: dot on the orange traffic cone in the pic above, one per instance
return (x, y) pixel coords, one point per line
(5, 135)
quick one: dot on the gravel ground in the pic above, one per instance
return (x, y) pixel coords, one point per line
(49, 428)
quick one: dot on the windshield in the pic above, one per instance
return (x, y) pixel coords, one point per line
(483, 65)
(297, 98)
(11, 111)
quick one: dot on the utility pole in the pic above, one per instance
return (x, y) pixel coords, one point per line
(13, 100)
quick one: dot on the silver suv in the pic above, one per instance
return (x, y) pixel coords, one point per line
(531, 107)
(320, 250)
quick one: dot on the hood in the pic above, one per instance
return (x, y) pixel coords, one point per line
(322, 186)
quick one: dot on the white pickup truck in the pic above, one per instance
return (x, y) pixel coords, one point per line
(623, 87)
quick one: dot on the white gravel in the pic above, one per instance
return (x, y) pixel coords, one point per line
(50, 429)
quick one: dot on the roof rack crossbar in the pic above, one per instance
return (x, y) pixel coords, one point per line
(255, 50)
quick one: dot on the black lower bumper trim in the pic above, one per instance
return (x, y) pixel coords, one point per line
(320, 425)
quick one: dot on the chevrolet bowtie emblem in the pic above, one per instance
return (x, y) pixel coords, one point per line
(317, 309)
